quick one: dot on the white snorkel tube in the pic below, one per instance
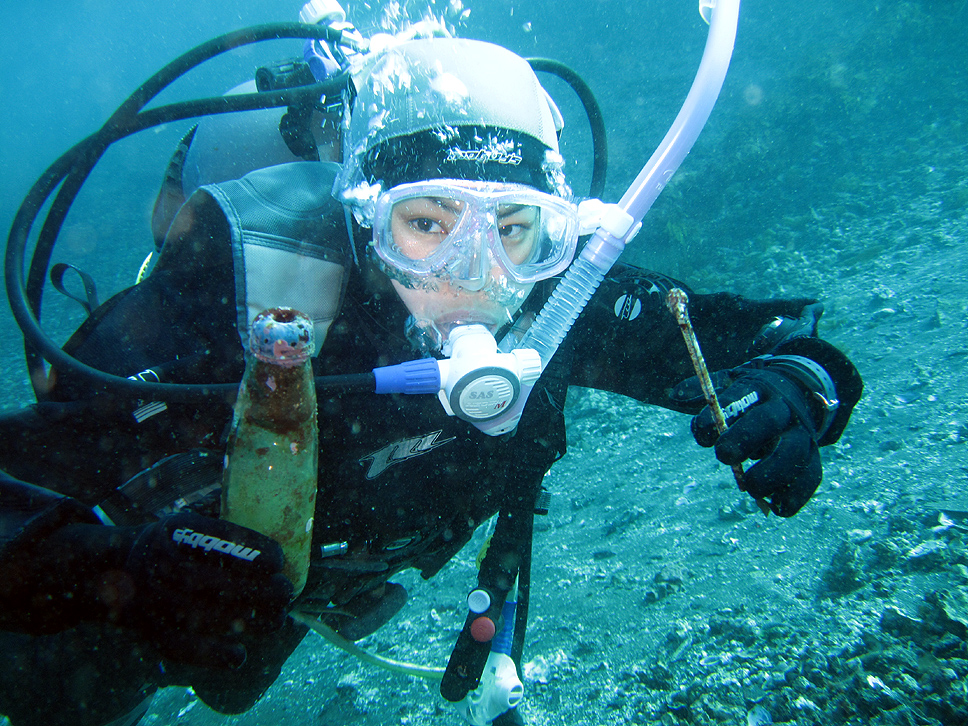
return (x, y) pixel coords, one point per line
(620, 222)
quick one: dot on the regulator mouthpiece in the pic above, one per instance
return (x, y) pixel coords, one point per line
(478, 384)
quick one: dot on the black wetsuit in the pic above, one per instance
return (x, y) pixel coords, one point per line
(401, 482)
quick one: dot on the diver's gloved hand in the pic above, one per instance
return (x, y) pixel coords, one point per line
(777, 409)
(198, 585)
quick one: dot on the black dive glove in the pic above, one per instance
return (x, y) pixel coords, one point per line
(777, 409)
(195, 588)
(199, 586)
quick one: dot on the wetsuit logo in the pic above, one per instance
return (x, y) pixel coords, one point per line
(402, 450)
(628, 307)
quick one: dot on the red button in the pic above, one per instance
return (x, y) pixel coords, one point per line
(483, 629)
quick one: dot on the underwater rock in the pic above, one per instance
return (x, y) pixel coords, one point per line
(541, 669)
(952, 610)
(617, 700)
(682, 702)
(622, 523)
(733, 627)
(898, 624)
(716, 710)
(885, 554)
(776, 632)
(669, 580)
(933, 321)
(729, 513)
(758, 716)
(901, 524)
(859, 536)
(845, 573)
(882, 296)
(874, 696)
(927, 556)
(678, 702)
(679, 638)
(345, 706)
(656, 678)
(883, 314)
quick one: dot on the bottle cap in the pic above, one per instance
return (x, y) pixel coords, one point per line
(282, 336)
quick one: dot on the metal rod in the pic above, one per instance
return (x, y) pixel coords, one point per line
(677, 302)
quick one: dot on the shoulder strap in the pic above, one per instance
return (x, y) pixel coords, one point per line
(289, 242)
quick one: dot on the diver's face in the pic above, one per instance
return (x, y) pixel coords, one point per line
(473, 287)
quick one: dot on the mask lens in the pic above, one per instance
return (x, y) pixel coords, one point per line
(421, 228)
(538, 240)
(518, 227)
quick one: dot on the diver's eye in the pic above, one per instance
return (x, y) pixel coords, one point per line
(514, 233)
(516, 225)
(425, 225)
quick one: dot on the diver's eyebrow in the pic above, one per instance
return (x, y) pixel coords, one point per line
(506, 210)
(448, 205)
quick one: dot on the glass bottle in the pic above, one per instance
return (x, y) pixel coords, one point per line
(269, 480)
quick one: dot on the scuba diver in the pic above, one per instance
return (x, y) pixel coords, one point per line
(446, 218)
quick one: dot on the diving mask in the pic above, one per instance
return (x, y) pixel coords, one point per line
(460, 230)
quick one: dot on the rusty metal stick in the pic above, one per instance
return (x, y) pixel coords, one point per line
(676, 301)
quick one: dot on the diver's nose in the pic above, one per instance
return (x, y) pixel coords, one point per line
(475, 284)
(473, 267)
(484, 271)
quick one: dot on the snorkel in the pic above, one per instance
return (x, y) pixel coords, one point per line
(620, 222)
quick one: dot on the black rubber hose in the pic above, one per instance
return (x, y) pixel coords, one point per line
(198, 55)
(17, 293)
(229, 104)
(72, 169)
(592, 110)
